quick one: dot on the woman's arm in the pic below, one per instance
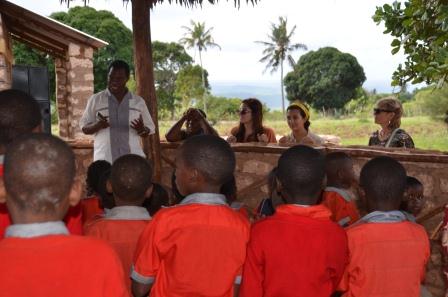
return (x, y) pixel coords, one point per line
(175, 132)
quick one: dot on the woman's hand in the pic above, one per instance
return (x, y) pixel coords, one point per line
(263, 138)
(231, 139)
(283, 140)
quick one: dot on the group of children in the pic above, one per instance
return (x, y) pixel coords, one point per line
(201, 246)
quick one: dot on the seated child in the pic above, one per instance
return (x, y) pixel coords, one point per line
(38, 256)
(388, 253)
(130, 182)
(19, 114)
(159, 198)
(198, 247)
(336, 197)
(413, 199)
(298, 251)
(92, 205)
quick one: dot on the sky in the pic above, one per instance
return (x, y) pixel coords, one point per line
(344, 24)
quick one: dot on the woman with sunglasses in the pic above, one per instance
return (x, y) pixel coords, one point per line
(388, 114)
(298, 118)
(251, 127)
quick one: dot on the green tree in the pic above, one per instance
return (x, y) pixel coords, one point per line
(169, 59)
(326, 78)
(278, 49)
(200, 38)
(189, 84)
(420, 28)
(104, 25)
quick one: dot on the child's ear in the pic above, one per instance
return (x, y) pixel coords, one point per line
(75, 193)
(278, 186)
(109, 186)
(148, 192)
(2, 191)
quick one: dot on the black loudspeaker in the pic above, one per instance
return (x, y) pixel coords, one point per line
(34, 81)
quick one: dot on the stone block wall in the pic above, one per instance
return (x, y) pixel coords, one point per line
(74, 86)
(6, 57)
(255, 161)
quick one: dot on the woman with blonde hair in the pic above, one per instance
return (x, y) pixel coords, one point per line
(298, 118)
(388, 112)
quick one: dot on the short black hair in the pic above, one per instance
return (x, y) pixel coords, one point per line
(211, 155)
(301, 172)
(383, 180)
(19, 114)
(130, 177)
(158, 199)
(334, 161)
(120, 64)
(39, 172)
(94, 172)
(412, 182)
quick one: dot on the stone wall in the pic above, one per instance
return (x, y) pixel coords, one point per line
(255, 161)
(6, 58)
(74, 86)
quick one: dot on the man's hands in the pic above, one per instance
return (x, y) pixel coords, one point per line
(139, 126)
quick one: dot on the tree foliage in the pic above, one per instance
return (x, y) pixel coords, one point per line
(189, 85)
(104, 25)
(326, 78)
(279, 48)
(169, 59)
(420, 28)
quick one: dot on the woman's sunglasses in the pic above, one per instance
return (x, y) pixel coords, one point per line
(380, 110)
(244, 111)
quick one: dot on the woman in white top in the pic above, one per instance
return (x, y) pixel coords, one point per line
(298, 118)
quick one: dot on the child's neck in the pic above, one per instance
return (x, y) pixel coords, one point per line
(337, 184)
(206, 189)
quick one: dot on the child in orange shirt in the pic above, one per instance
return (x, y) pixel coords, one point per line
(38, 256)
(130, 183)
(198, 247)
(384, 239)
(413, 199)
(336, 196)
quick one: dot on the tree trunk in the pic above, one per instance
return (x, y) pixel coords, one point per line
(281, 84)
(144, 76)
(204, 97)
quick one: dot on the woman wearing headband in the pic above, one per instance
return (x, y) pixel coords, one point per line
(298, 118)
(251, 127)
(388, 112)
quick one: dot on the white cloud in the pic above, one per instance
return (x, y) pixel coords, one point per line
(344, 24)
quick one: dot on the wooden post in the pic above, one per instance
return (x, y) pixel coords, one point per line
(144, 76)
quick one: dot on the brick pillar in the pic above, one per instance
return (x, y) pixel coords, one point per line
(6, 57)
(74, 86)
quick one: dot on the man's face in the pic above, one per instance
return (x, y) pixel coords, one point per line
(116, 80)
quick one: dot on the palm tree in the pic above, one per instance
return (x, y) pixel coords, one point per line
(278, 49)
(199, 38)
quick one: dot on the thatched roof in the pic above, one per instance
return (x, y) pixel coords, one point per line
(187, 3)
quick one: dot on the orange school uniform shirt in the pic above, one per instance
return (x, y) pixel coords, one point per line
(121, 228)
(342, 206)
(90, 208)
(388, 257)
(43, 260)
(196, 248)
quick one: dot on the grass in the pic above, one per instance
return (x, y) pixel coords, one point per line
(428, 133)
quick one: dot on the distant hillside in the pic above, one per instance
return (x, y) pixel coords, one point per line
(266, 93)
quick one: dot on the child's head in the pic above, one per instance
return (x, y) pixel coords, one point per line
(382, 182)
(19, 114)
(158, 199)
(301, 175)
(131, 180)
(339, 169)
(39, 178)
(94, 172)
(413, 199)
(203, 164)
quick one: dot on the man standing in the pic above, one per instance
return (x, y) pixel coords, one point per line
(116, 117)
